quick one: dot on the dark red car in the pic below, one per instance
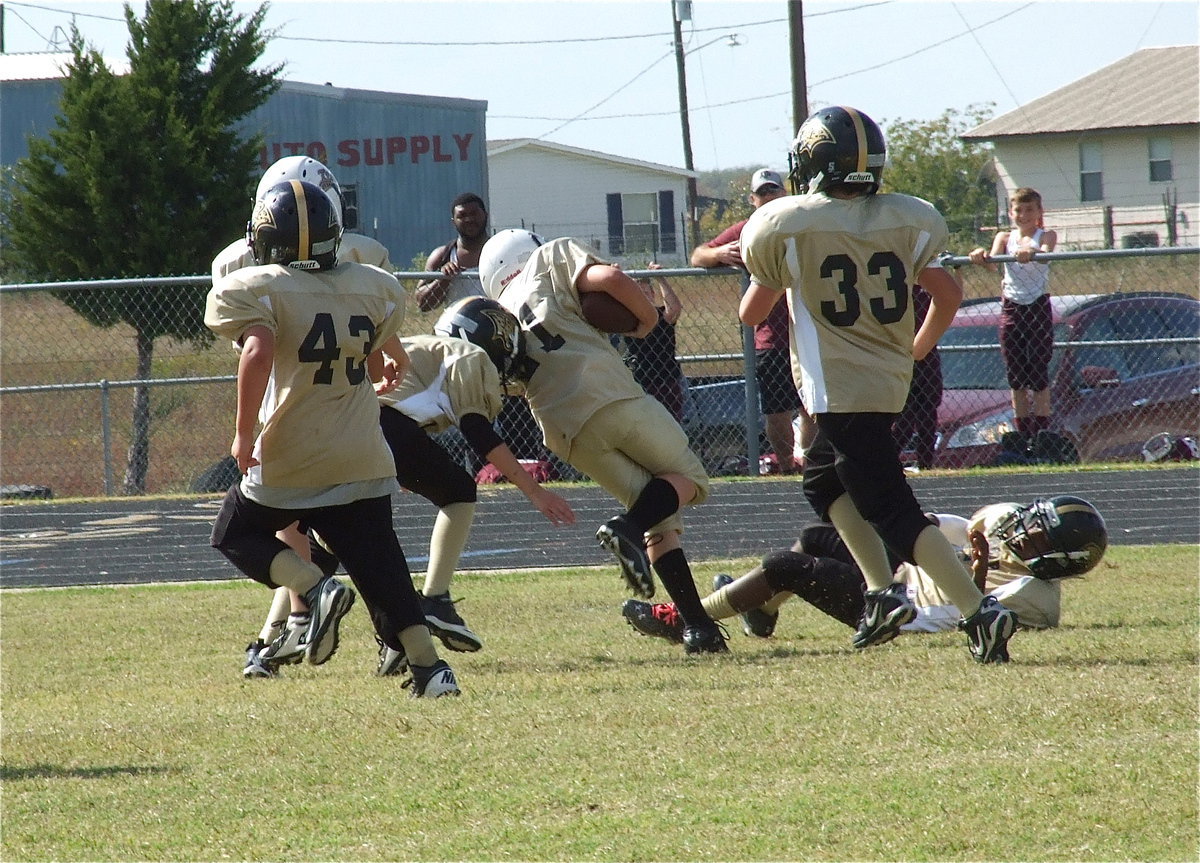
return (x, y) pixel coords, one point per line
(1126, 367)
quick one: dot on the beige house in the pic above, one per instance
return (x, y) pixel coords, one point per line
(1115, 155)
(626, 209)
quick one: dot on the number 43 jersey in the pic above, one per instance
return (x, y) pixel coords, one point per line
(847, 266)
(320, 414)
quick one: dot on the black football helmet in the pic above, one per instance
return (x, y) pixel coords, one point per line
(295, 224)
(486, 324)
(836, 145)
(1056, 538)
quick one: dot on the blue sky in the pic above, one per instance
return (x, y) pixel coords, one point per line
(602, 75)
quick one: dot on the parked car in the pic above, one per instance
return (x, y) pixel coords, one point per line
(1126, 366)
(714, 417)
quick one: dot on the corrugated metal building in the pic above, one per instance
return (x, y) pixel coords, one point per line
(400, 158)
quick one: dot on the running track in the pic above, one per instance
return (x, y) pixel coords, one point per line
(138, 541)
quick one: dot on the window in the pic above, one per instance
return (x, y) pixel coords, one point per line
(641, 224)
(1160, 160)
(1091, 183)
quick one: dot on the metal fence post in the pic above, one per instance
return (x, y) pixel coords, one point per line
(106, 431)
(751, 378)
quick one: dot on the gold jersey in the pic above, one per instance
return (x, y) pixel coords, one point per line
(320, 414)
(578, 370)
(847, 267)
(446, 380)
(1037, 603)
(354, 247)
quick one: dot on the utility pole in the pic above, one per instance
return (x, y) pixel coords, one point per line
(682, 10)
(799, 77)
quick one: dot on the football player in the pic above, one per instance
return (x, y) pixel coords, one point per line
(846, 256)
(354, 247)
(309, 327)
(594, 415)
(239, 254)
(447, 381)
(1019, 554)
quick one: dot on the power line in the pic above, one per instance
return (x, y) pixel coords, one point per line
(64, 12)
(628, 83)
(326, 40)
(970, 31)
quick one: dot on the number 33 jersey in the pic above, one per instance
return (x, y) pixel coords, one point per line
(847, 267)
(320, 413)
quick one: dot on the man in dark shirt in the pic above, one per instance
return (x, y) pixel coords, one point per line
(772, 364)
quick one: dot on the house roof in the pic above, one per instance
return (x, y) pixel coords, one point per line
(506, 145)
(1151, 87)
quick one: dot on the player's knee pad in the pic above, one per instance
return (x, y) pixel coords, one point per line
(787, 570)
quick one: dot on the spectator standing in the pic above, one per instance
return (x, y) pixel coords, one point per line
(468, 214)
(772, 369)
(654, 359)
(1026, 321)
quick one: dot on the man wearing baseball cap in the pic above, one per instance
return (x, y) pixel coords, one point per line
(772, 361)
(765, 183)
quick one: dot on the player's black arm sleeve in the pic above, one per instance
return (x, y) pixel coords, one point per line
(479, 434)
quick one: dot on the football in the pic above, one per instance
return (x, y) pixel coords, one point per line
(605, 313)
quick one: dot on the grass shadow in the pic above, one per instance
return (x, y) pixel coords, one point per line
(55, 771)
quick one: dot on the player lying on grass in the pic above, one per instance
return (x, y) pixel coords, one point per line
(1019, 554)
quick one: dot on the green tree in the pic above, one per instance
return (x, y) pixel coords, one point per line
(144, 174)
(927, 158)
(725, 199)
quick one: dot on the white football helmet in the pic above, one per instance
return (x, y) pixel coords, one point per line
(503, 257)
(303, 168)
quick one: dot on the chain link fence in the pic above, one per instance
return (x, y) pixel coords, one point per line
(1125, 365)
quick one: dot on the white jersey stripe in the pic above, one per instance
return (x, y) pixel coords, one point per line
(919, 246)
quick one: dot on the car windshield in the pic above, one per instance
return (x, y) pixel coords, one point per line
(971, 358)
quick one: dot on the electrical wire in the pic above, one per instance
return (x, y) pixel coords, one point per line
(488, 43)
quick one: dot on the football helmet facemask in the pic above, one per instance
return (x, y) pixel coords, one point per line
(296, 225)
(486, 324)
(309, 170)
(1057, 538)
(504, 256)
(836, 145)
(1165, 446)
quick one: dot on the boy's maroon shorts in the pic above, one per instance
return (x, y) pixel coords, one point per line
(1027, 343)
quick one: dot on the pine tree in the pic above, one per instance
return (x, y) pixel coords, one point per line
(144, 174)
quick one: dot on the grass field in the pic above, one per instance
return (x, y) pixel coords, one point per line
(128, 733)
